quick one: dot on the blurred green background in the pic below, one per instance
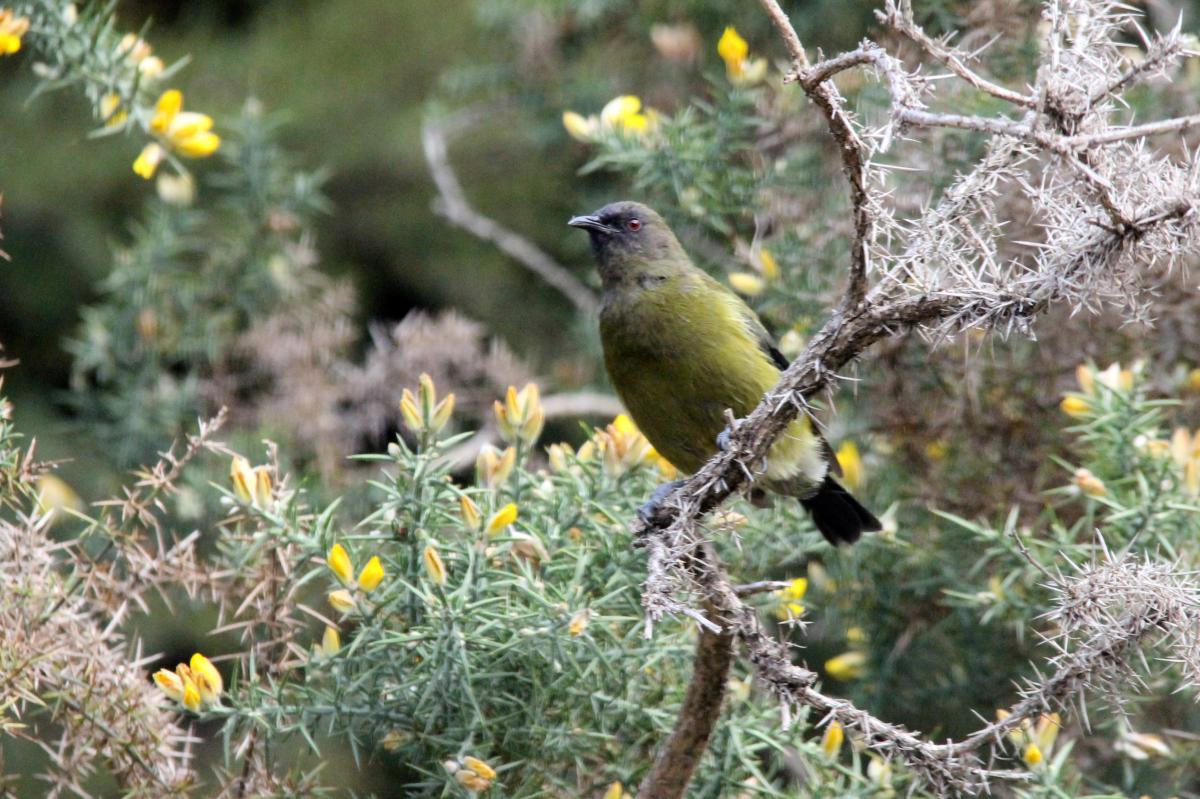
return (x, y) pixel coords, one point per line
(353, 80)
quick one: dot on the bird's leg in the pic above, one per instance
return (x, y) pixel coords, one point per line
(725, 437)
(650, 508)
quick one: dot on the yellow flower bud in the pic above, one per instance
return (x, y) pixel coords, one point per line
(1032, 755)
(371, 575)
(191, 694)
(579, 127)
(331, 641)
(747, 284)
(244, 481)
(493, 467)
(148, 160)
(339, 563)
(409, 413)
(619, 111)
(614, 791)
(472, 781)
(434, 567)
(1089, 483)
(770, 267)
(579, 622)
(262, 486)
(846, 666)
(501, 519)
(1074, 405)
(341, 600)
(831, 741)
(170, 683)
(479, 767)
(471, 516)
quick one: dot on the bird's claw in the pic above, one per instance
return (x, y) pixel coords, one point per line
(723, 439)
(651, 506)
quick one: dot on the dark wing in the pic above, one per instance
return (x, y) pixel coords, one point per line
(781, 362)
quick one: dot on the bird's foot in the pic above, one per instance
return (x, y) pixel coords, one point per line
(723, 439)
(651, 507)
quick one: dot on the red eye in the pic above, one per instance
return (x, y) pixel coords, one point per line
(634, 225)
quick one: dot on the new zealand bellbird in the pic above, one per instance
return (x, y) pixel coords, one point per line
(681, 348)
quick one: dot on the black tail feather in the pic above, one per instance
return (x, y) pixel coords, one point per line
(838, 515)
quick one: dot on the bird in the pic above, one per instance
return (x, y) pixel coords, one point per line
(680, 348)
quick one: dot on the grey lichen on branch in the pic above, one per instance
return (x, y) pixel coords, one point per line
(1115, 215)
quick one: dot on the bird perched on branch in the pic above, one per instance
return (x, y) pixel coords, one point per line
(681, 349)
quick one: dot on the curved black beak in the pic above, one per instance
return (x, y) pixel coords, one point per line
(590, 222)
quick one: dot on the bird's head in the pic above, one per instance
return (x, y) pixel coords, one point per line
(630, 241)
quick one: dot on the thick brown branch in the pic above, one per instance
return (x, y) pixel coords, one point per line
(681, 752)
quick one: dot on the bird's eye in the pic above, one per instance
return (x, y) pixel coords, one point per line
(634, 225)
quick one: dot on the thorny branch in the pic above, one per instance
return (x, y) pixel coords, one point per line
(1115, 216)
(452, 204)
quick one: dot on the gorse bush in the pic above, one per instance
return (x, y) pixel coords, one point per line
(473, 609)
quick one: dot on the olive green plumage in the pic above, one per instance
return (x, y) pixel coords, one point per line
(680, 348)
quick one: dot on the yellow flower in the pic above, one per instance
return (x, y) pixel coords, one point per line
(579, 127)
(339, 564)
(1193, 380)
(1142, 746)
(371, 575)
(331, 641)
(479, 767)
(187, 132)
(177, 190)
(501, 519)
(151, 67)
(623, 447)
(1046, 731)
(733, 50)
(1032, 755)
(493, 467)
(520, 417)
(614, 791)
(831, 741)
(341, 600)
(879, 771)
(579, 622)
(191, 694)
(134, 48)
(623, 112)
(1086, 376)
(472, 781)
(796, 589)
(747, 284)
(846, 666)
(434, 566)
(770, 267)
(850, 460)
(207, 678)
(856, 635)
(148, 160)
(170, 683)
(111, 112)
(1074, 405)
(937, 450)
(11, 30)
(1089, 484)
